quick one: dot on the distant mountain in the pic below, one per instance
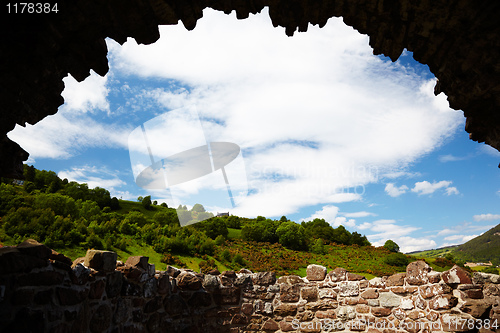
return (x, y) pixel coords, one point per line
(483, 248)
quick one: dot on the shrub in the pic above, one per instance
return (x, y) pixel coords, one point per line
(207, 265)
(397, 259)
(169, 259)
(238, 260)
(443, 262)
(226, 255)
(491, 270)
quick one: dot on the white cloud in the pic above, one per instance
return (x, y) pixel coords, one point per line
(96, 177)
(425, 187)
(363, 226)
(446, 231)
(452, 158)
(395, 191)
(410, 244)
(359, 214)
(63, 135)
(452, 190)
(86, 96)
(328, 213)
(460, 239)
(486, 217)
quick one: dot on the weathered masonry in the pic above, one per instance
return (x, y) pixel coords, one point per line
(42, 291)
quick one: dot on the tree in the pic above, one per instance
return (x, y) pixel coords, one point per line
(283, 219)
(146, 202)
(291, 235)
(234, 222)
(391, 246)
(318, 247)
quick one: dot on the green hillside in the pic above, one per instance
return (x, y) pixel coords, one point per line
(483, 248)
(71, 218)
(434, 253)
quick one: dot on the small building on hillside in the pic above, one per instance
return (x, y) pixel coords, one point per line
(222, 214)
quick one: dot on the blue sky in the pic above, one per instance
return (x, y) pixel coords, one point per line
(326, 129)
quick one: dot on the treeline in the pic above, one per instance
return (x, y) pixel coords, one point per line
(312, 235)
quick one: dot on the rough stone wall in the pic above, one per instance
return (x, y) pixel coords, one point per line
(458, 39)
(42, 291)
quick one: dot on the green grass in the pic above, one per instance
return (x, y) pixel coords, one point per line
(234, 233)
(127, 206)
(434, 253)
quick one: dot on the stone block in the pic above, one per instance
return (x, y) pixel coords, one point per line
(187, 280)
(316, 272)
(369, 294)
(376, 282)
(309, 293)
(103, 261)
(270, 325)
(33, 248)
(138, 261)
(327, 293)
(349, 288)
(389, 300)
(285, 309)
(443, 302)
(455, 276)
(264, 278)
(289, 293)
(476, 308)
(395, 280)
(381, 312)
(290, 279)
(416, 273)
(434, 290)
(338, 274)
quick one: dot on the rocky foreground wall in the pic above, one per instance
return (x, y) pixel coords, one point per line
(42, 291)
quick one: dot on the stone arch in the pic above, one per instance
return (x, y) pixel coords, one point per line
(457, 39)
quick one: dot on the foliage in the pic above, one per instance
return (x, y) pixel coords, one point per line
(207, 265)
(146, 202)
(443, 262)
(483, 248)
(391, 245)
(233, 222)
(291, 235)
(70, 218)
(490, 269)
(318, 247)
(397, 259)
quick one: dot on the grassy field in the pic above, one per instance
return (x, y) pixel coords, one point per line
(434, 253)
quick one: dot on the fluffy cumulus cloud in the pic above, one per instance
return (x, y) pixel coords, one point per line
(317, 116)
(395, 191)
(425, 187)
(87, 96)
